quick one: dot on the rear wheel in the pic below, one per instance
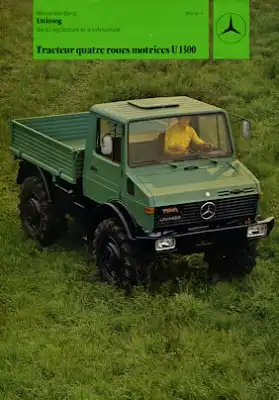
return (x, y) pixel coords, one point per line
(237, 261)
(40, 220)
(117, 260)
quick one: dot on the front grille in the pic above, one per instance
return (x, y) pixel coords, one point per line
(190, 214)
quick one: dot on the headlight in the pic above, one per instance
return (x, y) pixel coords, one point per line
(165, 244)
(258, 230)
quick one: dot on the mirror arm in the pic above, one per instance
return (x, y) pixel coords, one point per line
(238, 118)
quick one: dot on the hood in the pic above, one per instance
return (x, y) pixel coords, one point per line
(171, 185)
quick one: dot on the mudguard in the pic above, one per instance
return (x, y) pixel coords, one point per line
(118, 210)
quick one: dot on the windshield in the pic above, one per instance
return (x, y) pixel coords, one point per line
(176, 139)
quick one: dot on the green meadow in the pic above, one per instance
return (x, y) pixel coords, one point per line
(66, 336)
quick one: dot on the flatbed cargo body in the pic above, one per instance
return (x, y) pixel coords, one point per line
(54, 143)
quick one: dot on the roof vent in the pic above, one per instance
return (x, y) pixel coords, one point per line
(149, 104)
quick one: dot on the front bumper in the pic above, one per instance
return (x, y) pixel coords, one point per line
(199, 240)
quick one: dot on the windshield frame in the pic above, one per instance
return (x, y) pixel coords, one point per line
(195, 156)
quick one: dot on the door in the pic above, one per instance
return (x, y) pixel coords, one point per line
(102, 181)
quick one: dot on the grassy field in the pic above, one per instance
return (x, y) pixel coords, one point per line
(64, 337)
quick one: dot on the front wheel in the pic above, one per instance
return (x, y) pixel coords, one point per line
(117, 259)
(237, 261)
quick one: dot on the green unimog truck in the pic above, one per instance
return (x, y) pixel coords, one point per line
(109, 170)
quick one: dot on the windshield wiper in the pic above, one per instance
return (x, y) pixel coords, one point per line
(153, 162)
(149, 162)
(231, 165)
(212, 160)
(216, 162)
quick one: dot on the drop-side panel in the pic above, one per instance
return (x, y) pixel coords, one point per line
(46, 152)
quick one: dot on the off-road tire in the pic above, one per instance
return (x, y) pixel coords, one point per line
(128, 267)
(50, 224)
(237, 261)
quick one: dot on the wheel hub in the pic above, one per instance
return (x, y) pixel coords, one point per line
(32, 213)
(111, 259)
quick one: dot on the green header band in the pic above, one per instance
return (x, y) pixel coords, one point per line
(125, 30)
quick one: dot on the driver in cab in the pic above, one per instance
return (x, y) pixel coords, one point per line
(180, 136)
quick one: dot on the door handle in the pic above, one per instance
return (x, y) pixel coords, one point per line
(93, 168)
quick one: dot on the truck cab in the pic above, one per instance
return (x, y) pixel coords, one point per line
(125, 160)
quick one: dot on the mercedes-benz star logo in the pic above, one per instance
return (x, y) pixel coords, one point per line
(208, 210)
(231, 28)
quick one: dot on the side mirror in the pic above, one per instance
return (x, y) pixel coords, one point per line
(106, 146)
(245, 129)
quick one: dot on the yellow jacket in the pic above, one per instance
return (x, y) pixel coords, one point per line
(176, 137)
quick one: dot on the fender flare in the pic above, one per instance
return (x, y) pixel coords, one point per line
(27, 169)
(118, 210)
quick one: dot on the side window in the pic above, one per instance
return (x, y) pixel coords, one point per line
(209, 129)
(114, 131)
(213, 130)
(223, 137)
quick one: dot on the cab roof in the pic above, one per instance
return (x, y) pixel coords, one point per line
(156, 107)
